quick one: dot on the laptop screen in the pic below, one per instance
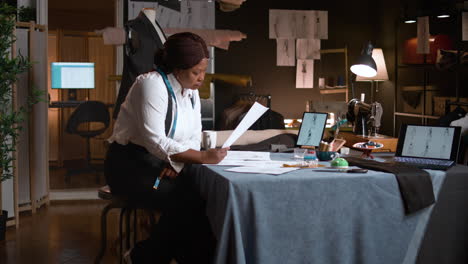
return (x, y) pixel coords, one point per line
(311, 130)
(435, 142)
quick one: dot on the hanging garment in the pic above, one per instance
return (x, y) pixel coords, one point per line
(463, 123)
(269, 120)
(230, 116)
(456, 114)
(142, 42)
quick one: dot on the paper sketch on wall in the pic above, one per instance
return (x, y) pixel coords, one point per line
(197, 14)
(423, 35)
(285, 52)
(305, 26)
(305, 74)
(311, 24)
(168, 18)
(295, 24)
(178, 14)
(308, 49)
(282, 24)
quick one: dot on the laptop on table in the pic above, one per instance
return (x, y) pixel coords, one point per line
(428, 147)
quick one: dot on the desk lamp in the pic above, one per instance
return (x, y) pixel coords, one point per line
(358, 111)
(365, 65)
(382, 74)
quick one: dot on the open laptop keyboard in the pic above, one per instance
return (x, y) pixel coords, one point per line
(431, 164)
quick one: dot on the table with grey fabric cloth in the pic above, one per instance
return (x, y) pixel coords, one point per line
(311, 217)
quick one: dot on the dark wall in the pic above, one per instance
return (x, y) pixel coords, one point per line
(351, 23)
(83, 15)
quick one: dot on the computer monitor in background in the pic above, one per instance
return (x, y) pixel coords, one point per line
(72, 75)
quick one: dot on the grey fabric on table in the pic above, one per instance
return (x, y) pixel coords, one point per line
(307, 217)
(415, 184)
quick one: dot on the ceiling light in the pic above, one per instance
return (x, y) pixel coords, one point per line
(443, 16)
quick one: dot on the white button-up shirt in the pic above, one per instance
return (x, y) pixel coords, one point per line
(142, 118)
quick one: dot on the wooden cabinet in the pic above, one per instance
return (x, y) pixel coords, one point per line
(420, 83)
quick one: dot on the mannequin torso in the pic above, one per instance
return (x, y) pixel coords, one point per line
(150, 13)
(144, 39)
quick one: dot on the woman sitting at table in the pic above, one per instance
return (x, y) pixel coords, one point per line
(150, 146)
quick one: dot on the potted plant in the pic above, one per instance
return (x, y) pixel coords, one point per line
(10, 119)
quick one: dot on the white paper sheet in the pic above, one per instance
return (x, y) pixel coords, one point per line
(167, 17)
(305, 74)
(281, 24)
(307, 49)
(253, 163)
(263, 170)
(305, 24)
(310, 24)
(247, 155)
(255, 112)
(285, 51)
(321, 25)
(197, 14)
(465, 26)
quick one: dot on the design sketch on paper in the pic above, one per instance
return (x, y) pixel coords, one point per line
(281, 24)
(308, 49)
(305, 24)
(312, 129)
(285, 51)
(167, 18)
(309, 24)
(305, 74)
(178, 14)
(321, 25)
(197, 14)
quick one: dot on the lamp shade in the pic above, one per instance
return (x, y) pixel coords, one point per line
(365, 65)
(382, 74)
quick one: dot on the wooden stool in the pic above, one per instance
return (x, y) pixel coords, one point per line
(126, 210)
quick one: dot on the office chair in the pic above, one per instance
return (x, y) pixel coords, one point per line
(87, 113)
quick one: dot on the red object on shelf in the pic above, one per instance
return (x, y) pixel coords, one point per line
(435, 43)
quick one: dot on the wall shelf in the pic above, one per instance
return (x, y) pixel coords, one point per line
(333, 91)
(343, 51)
(416, 115)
